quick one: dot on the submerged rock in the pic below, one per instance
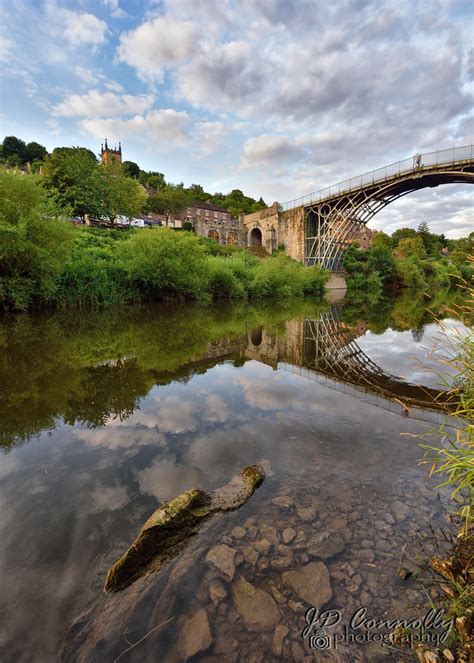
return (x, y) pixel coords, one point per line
(173, 523)
(310, 583)
(256, 607)
(195, 636)
(222, 557)
(325, 545)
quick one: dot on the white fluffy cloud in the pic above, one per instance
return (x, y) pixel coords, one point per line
(80, 28)
(102, 104)
(166, 126)
(157, 44)
(209, 136)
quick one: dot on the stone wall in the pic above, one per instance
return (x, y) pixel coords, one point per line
(276, 228)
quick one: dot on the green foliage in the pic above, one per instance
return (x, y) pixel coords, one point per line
(131, 169)
(72, 175)
(411, 247)
(381, 239)
(170, 201)
(410, 274)
(16, 152)
(224, 281)
(380, 260)
(34, 242)
(120, 194)
(403, 233)
(163, 264)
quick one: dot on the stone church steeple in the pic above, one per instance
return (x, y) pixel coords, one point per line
(108, 154)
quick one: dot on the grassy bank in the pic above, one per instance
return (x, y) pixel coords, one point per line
(45, 261)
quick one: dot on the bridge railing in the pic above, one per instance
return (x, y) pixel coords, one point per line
(414, 164)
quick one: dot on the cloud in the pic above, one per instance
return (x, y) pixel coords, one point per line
(157, 44)
(102, 104)
(166, 125)
(209, 136)
(115, 9)
(270, 149)
(6, 48)
(79, 28)
(221, 76)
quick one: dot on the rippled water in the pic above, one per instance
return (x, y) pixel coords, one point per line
(104, 416)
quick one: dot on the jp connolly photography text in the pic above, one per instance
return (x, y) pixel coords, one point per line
(322, 633)
(236, 348)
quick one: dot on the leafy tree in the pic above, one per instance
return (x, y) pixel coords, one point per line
(34, 242)
(423, 228)
(72, 174)
(152, 179)
(381, 239)
(35, 152)
(170, 201)
(131, 169)
(380, 260)
(353, 260)
(14, 150)
(412, 247)
(402, 233)
(121, 194)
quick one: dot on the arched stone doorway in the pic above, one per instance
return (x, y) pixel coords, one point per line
(232, 238)
(213, 234)
(256, 237)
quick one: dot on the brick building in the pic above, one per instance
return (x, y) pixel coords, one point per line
(213, 221)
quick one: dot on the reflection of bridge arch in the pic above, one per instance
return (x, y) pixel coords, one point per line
(332, 216)
(330, 348)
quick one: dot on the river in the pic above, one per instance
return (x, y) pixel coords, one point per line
(105, 415)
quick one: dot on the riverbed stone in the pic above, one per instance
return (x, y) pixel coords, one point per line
(279, 635)
(283, 501)
(325, 545)
(307, 513)
(250, 555)
(310, 582)
(262, 546)
(400, 510)
(257, 608)
(238, 532)
(217, 591)
(195, 635)
(288, 534)
(222, 557)
(270, 533)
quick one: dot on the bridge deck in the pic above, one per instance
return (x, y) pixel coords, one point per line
(420, 163)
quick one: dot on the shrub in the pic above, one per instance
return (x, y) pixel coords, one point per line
(165, 264)
(34, 242)
(410, 274)
(223, 280)
(380, 260)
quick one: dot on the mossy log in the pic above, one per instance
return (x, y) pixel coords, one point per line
(173, 523)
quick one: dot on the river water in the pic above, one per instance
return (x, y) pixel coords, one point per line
(104, 416)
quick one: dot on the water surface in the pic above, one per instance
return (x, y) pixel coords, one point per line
(103, 416)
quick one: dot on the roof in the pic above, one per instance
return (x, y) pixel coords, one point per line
(210, 206)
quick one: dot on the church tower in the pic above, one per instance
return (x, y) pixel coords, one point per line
(108, 154)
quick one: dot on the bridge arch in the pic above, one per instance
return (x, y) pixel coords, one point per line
(331, 217)
(255, 237)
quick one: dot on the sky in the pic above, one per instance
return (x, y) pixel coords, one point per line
(275, 97)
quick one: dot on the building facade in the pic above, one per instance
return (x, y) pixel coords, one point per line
(215, 222)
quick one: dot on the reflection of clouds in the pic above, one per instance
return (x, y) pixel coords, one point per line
(165, 479)
(115, 437)
(399, 354)
(176, 415)
(105, 498)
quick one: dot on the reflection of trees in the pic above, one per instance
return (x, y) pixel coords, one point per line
(86, 367)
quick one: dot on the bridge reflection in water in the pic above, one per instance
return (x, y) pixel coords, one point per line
(325, 350)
